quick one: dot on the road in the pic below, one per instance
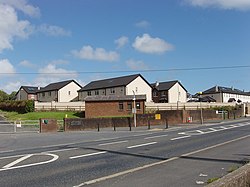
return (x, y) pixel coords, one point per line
(173, 157)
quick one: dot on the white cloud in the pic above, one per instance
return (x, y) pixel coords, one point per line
(59, 62)
(147, 44)
(6, 68)
(136, 65)
(12, 86)
(143, 24)
(26, 63)
(51, 73)
(100, 54)
(53, 30)
(224, 4)
(11, 27)
(122, 41)
(23, 6)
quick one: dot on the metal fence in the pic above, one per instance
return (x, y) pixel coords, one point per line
(19, 126)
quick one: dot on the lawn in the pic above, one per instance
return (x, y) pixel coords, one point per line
(38, 115)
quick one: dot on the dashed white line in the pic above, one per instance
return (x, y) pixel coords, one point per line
(151, 137)
(111, 143)
(86, 155)
(141, 145)
(181, 137)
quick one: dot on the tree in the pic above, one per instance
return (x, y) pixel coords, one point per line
(3, 96)
(12, 96)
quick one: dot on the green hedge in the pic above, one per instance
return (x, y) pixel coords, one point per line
(17, 106)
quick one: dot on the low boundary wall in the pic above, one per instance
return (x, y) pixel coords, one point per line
(71, 124)
(238, 178)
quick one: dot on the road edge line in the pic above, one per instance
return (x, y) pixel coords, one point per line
(156, 163)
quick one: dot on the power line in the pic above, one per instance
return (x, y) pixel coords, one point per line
(130, 71)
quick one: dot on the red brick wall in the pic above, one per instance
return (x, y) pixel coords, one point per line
(48, 125)
(109, 108)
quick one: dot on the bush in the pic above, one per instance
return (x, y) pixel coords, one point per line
(29, 106)
(17, 106)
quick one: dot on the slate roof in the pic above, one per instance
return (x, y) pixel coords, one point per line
(115, 98)
(30, 89)
(56, 86)
(164, 86)
(112, 82)
(221, 89)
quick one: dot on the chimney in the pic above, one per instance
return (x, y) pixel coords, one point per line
(156, 84)
(216, 88)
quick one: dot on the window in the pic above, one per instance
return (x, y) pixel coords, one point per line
(120, 105)
(89, 93)
(129, 105)
(43, 94)
(69, 92)
(138, 105)
(49, 93)
(97, 92)
(164, 93)
(155, 93)
(112, 90)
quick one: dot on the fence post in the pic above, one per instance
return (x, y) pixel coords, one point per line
(166, 123)
(148, 123)
(114, 127)
(15, 126)
(98, 127)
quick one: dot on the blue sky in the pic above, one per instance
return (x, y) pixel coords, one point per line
(53, 40)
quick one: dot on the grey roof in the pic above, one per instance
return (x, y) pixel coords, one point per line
(115, 98)
(221, 89)
(112, 82)
(164, 86)
(30, 89)
(57, 86)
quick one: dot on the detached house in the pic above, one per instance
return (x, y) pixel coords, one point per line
(26, 93)
(169, 92)
(225, 94)
(64, 91)
(119, 86)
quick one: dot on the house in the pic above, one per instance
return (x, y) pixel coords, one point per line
(118, 86)
(169, 92)
(26, 93)
(64, 91)
(96, 106)
(225, 94)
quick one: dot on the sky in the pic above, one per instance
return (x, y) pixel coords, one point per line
(46, 41)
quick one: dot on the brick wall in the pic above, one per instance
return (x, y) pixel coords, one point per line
(110, 108)
(48, 125)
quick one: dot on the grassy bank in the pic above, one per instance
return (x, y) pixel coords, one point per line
(38, 115)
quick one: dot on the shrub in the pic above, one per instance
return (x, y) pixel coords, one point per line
(17, 106)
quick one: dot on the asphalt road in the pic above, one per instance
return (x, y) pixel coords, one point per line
(174, 157)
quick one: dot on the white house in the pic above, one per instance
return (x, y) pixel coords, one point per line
(169, 92)
(118, 86)
(225, 95)
(64, 91)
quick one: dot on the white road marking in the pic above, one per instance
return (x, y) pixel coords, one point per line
(54, 158)
(212, 129)
(155, 164)
(140, 145)
(17, 161)
(199, 131)
(111, 143)
(181, 137)
(155, 136)
(86, 155)
(8, 151)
